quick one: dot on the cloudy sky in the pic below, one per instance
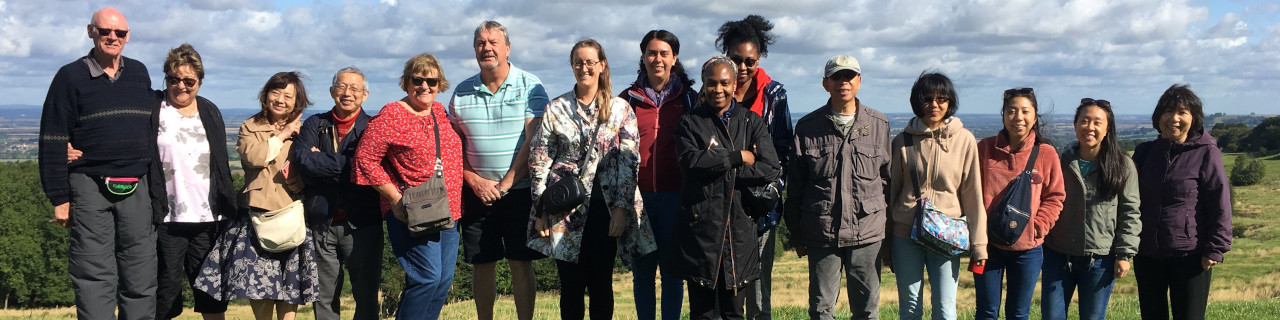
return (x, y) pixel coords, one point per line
(1124, 51)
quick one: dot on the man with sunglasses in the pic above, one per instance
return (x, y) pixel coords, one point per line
(343, 216)
(495, 112)
(836, 205)
(102, 103)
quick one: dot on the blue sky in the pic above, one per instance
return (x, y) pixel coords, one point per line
(1124, 51)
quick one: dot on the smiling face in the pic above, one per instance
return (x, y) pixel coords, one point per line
(111, 22)
(586, 65)
(178, 92)
(423, 94)
(348, 92)
(1175, 123)
(843, 86)
(1091, 127)
(934, 109)
(746, 57)
(658, 59)
(280, 102)
(1019, 117)
(717, 86)
(492, 49)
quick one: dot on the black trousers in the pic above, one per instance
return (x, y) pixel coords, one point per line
(721, 302)
(181, 248)
(594, 270)
(1179, 285)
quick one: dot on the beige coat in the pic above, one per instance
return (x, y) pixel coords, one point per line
(949, 177)
(263, 155)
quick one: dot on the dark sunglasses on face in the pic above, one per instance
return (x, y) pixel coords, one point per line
(939, 100)
(173, 81)
(431, 82)
(844, 76)
(744, 61)
(104, 32)
(1091, 102)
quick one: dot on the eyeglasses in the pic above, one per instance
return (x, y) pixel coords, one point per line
(938, 100)
(174, 81)
(1100, 103)
(104, 32)
(342, 87)
(744, 61)
(584, 63)
(417, 81)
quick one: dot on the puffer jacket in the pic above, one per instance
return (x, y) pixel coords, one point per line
(1090, 225)
(1186, 199)
(838, 182)
(947, 163)
(711, 229)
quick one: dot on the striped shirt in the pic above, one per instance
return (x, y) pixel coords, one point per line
(492, 123)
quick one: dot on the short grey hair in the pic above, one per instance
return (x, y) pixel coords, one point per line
(351, 70)
(491, 25)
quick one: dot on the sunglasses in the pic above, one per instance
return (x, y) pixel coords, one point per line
(417, 81)
(939, 100)
(1091, 102)
(744, 61)
(173, 81)
(104, 32)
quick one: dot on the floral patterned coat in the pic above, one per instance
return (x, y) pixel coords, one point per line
(558, 151)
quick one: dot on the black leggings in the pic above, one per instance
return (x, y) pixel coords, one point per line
(594, 270)
(1173, 285)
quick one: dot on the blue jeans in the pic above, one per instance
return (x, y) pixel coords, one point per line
(1022, 268)
(428, 262)
(910, 261)
(1063, 274)
(661, 208)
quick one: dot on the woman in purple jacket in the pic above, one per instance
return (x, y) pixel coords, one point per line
(1186, 210)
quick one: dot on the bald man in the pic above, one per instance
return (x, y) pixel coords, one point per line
(102, 104)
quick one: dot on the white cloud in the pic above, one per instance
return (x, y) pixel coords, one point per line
(1127, 51)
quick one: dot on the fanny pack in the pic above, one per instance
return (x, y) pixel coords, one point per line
(1011, 215)
(120, 186)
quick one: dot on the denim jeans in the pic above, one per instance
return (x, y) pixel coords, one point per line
(1022, 269)
(661, 208)
(1063, 275)
(428, 262)
(910, 261)
(759, 293)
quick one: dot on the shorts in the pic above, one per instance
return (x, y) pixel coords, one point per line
(492, 233)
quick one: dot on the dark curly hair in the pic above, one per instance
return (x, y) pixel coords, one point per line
(677, 69)
(753, 28)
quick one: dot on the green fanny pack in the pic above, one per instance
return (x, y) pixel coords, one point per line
(121, 186)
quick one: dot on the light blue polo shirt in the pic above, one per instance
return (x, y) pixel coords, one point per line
(493, 122)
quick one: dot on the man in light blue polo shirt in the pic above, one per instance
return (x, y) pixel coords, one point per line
(495, 112)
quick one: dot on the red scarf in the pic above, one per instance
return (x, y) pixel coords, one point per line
(344, 126)
(762, 80)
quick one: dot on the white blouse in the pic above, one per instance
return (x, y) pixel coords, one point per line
(184, 159)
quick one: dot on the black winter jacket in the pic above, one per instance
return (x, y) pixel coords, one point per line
(222, 193)
(711, 229)
(327, 173)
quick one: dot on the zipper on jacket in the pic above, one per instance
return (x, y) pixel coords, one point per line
(728, 225)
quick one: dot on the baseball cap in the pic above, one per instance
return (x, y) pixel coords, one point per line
(841, 62)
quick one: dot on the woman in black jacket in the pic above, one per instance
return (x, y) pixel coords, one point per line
(722, 150)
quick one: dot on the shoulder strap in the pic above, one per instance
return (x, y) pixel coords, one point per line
(439, 160)
(1031, 162)
(911, 163)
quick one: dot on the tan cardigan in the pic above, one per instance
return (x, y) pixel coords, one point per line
(263, 155)
(950, 177)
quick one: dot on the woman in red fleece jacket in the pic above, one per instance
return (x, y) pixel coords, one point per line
(1003, 158)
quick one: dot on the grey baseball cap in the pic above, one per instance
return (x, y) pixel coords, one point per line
(841, 62)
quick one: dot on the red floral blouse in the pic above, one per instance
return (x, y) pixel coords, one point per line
(399, 147)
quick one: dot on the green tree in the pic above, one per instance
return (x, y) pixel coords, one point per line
(1265, 136)
(1247, 171)
(33, 259)
(1230, 135)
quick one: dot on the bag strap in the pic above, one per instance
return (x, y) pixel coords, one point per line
(911, 163)
(439, 159)
(1031, 162)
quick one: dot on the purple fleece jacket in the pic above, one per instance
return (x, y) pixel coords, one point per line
(1186, 199)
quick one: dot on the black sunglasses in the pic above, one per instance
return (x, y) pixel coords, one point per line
(417, 81)
(104, 32)
(1091, 102)
(744, 61)
(173, 81)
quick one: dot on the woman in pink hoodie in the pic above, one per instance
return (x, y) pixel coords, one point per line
(1014, 247)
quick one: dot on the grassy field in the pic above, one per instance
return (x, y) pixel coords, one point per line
(1245, 286)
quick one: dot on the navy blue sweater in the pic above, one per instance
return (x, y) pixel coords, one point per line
(107, 119)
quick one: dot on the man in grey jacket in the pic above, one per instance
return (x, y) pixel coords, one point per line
(836, 204)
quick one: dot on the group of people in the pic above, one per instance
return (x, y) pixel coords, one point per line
(658, 174)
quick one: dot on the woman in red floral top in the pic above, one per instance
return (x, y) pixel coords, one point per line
(398, 151)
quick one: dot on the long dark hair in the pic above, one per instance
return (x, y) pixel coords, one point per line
(1111, 158)
(677, 69)
(1030, 94)
(753, 28)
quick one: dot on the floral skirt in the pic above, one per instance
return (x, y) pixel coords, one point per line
(237, 268)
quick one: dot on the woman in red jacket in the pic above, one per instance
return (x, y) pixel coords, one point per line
(1016, 237)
